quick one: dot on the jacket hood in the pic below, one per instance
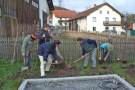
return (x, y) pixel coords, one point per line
(104, 47)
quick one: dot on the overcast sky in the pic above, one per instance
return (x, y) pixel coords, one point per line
(80, 5)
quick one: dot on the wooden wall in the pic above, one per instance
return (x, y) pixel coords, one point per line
(17, 12)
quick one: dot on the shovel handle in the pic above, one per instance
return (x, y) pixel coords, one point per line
(84, 56)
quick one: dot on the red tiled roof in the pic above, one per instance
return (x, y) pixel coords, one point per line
(64, 13)
(85, 12)
(131, 27)
(91, 10)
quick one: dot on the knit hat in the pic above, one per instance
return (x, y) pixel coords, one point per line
(103, 46)
(34, 36)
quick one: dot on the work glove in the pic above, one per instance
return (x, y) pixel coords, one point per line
(104, 59)
(44, 62)
(56, 62)
(99, 58)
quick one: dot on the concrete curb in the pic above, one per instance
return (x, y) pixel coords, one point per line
(110, 76)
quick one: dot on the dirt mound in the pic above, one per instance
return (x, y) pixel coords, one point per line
(64, 72)
(131, 70)
(128, 66)
(101, 70)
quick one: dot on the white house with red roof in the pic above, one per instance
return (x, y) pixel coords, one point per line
(60, 17)
(98, 18)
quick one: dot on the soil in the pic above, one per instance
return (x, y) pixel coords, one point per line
(70, 72)
(100, 70)
(131, 69)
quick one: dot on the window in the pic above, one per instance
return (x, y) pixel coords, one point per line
(35, 4)
(0, 11)
(27, 1)
(94, 28)
(100, 12)
(114, 19)
(106, 19)
(106, 28)
(114, 28)
(94, 19)
(107, 12)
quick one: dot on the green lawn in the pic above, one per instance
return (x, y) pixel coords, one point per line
(7, 70)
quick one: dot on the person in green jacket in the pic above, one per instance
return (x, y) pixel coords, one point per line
(107, 49)
(27, 48)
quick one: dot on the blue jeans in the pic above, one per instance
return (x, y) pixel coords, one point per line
(27, 61)
(93, 57)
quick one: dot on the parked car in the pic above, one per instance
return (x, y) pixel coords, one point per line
(110, 31)
(114, 31)
(106, 31)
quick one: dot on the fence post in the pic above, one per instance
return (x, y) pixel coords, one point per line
(96, 35)
(89, 34)
(126, 36)
(108, 35)
(82, 33)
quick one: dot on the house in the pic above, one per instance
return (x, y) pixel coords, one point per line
(132, 28)
(61, 17)
(16, 16)
(98, 18)
(45, 6)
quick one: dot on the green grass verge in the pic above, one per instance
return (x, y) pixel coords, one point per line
(7, 70)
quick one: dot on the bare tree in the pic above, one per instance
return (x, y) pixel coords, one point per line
(88, 7)
(60, 4)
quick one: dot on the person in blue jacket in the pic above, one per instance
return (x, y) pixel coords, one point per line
(44, 53)
(87, 46)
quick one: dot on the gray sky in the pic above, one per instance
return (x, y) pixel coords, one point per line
(80, 5)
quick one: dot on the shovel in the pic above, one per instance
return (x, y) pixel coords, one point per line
(24, 67)
(69, 65)
(13, 60)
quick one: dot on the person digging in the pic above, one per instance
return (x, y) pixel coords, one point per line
(27, 48)
(44, 53)
(107, 49)
(87, 46)
(44, 36)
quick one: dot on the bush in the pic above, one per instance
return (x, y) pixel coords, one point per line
(122, 33)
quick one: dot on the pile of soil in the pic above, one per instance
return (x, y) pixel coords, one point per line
(131, 69)
(64, 72)
(101, 70)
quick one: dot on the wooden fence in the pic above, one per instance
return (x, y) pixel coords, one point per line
(95, 35)
(69, 48)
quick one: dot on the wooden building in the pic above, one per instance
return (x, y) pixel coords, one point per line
(16, 16)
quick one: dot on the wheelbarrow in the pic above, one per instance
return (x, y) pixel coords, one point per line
(69, 65)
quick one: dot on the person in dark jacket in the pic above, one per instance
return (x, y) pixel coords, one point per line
(87, 46)
(107, 49)
(44, 52)
(44, 35)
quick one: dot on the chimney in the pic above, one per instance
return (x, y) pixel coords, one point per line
(94, 5)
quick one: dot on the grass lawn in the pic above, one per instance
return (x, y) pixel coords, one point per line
(8, 70)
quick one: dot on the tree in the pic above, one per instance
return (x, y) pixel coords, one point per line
(60, 4)
(127, 19)
(88, 7)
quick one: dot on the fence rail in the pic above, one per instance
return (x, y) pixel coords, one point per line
(69, 48)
